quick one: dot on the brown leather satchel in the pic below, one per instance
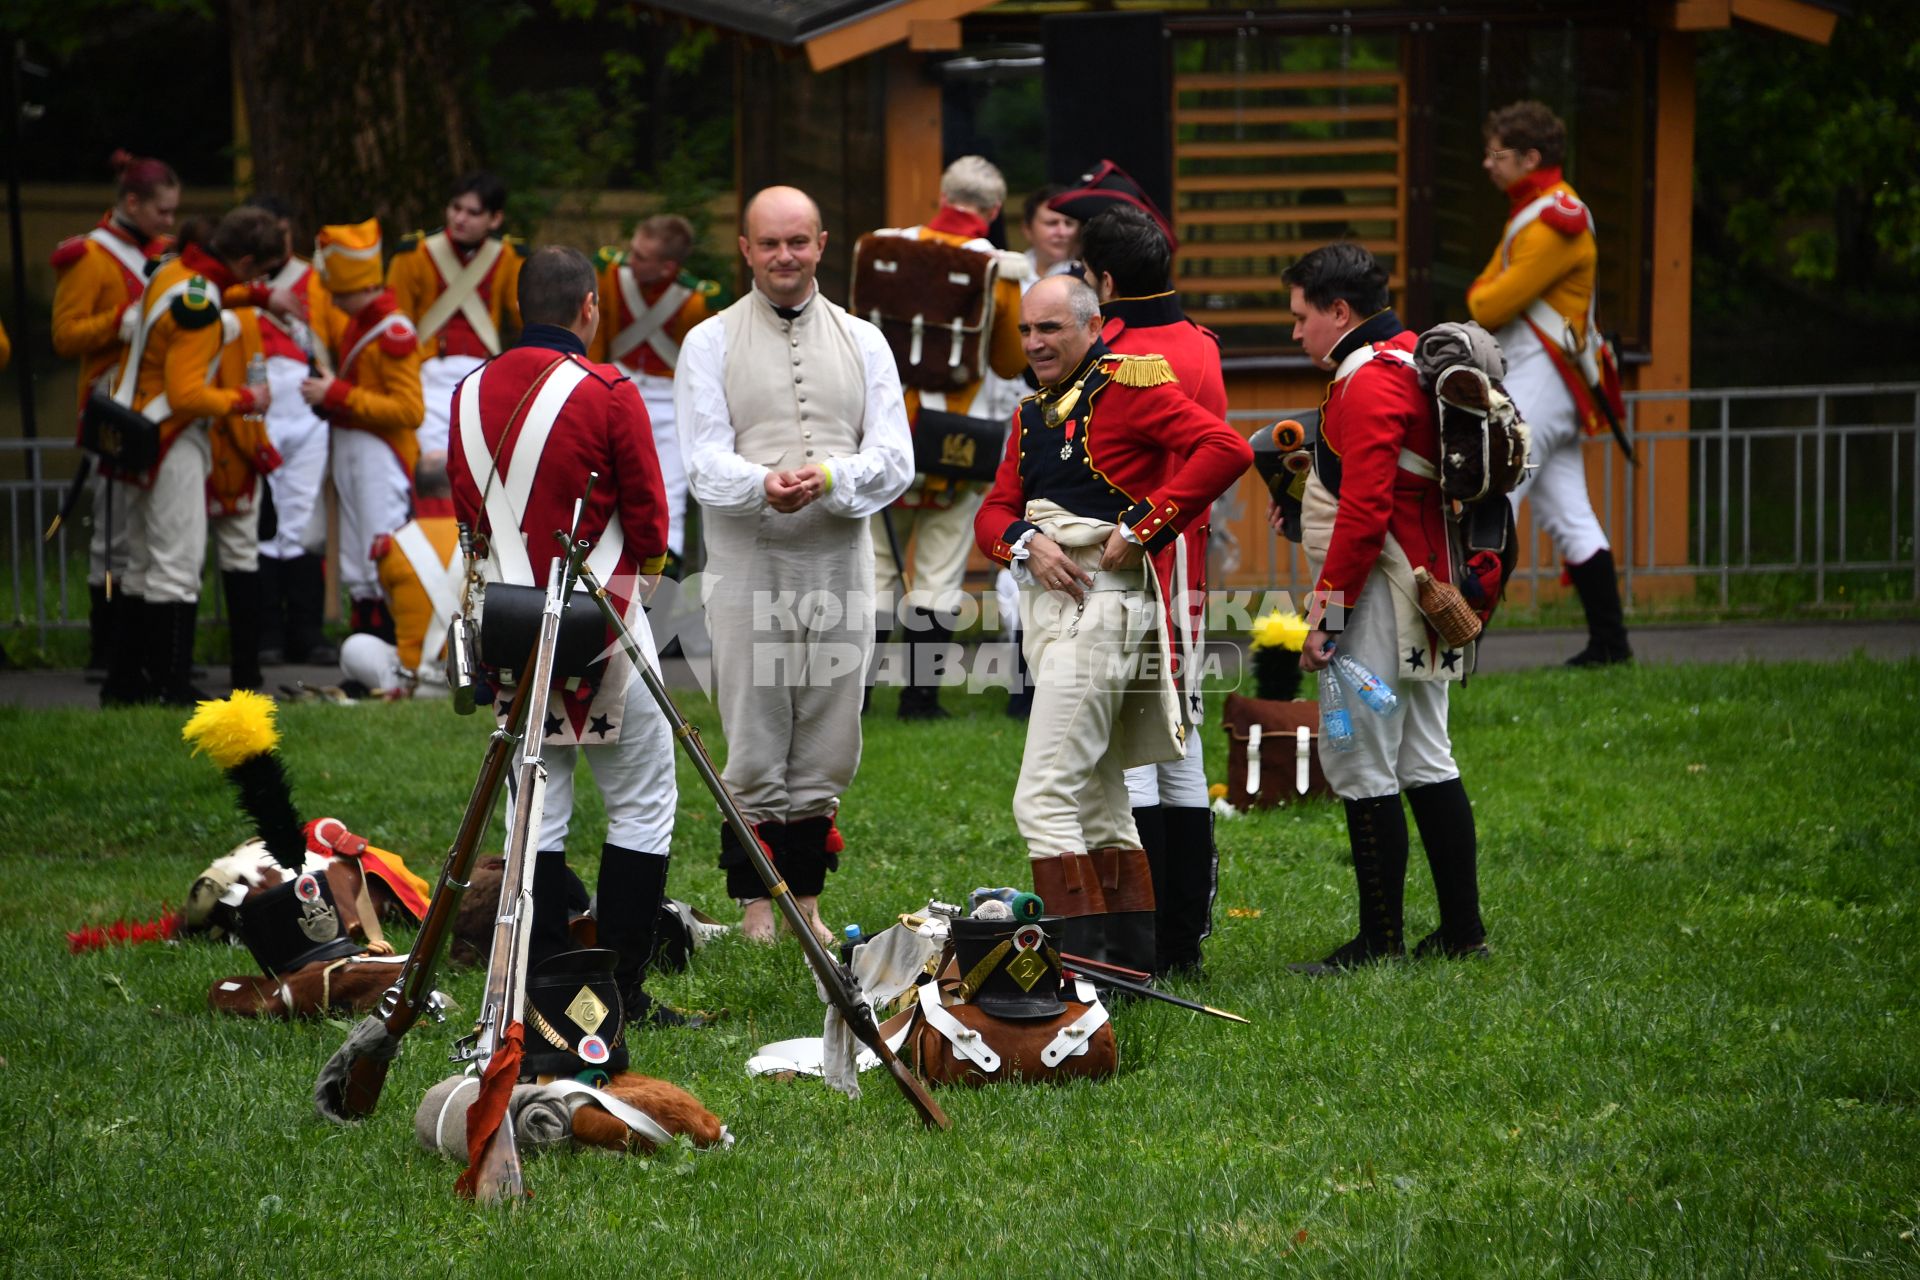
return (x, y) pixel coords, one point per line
(1020, 1045)
(1279, 724)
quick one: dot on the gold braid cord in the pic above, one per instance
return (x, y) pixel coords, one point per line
(1142, 371)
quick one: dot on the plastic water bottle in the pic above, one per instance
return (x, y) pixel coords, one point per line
(1336, 722)
(853, 937)
(257, 371)
(1376, 693)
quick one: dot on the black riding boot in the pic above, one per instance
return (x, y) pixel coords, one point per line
(1445, 819)
(556, 895)
(129, 623)
(927, 638)
(99, 628)
(1184, 890)
(1377, 831)
(1606, 622)
(243, 628)
(273, 611)
(306, 592)
(626, 906)
(171, 630)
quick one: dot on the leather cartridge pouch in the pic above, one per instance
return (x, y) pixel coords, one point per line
(510, 624)
(957, 447)
(975, 1048)
(122, 436)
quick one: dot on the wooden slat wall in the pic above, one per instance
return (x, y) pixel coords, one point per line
(1268, 165)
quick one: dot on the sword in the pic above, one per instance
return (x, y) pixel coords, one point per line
(1080, 967)
(72, 500)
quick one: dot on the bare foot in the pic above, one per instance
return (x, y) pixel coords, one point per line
(757, 924)
(810, 911)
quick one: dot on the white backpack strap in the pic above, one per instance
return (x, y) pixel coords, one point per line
(506, 500)
(649, 323)
(439, 579)
(127, 255)
(150, 311)
(461, 291)
(1072, 1040)
(967, 1043)
(390, 323)
(1254, 734)
(578, 1095)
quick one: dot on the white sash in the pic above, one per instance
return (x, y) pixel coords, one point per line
(393, 320)
(507, 548)
(127, 255)
(1551, 322)
(649, 323)
(461, 289)
(291, 273)
(441, 582)
(158, 409)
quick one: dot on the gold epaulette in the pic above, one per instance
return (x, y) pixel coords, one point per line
(608, 255)
(1141, 371)
(409, 241)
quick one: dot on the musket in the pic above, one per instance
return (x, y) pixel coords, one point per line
(835, 979)
(1091, 970)
(350, 1083)
(495, 1173)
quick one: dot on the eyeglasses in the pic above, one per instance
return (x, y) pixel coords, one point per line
(1504, 151)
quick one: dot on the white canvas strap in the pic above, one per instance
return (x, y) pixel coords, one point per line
(158, 409)
(291, 273)
(967, 1043)
(578, 1095)
(1071, 1040)
(440, 580)
(461, 291)
(394, 323)
(1302, 759)
(506, 500)
(1254, 734)
(649, 326)
(1523, 218)
(126, 255)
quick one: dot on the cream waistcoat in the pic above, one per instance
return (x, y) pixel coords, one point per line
(796, 389)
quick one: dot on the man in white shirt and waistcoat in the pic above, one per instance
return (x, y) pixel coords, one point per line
(794, 432)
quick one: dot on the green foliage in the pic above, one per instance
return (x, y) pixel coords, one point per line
(1690, 1054)
(1809, 157)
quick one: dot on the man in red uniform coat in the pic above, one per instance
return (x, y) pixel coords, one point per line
(527, 429)
(1104, 469)
(1130, 263)
(1371, 514)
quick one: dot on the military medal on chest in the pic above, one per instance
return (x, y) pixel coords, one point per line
(1066, 445)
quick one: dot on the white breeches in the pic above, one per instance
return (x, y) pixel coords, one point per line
(1396, 752)
(1178, 784)
(1558, 481)
(167, 524)
(657, 394)
(634, 774)
(236, 539)
(438, 377)
(301, 437)
(373, 491)
(1072, 792)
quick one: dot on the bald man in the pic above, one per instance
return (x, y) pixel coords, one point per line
(794, 432)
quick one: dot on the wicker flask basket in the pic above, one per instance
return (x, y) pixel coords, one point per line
(1452, 617)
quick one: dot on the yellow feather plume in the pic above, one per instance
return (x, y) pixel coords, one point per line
(233, 729)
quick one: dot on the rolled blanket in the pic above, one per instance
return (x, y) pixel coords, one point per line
(1446, 345)
(541, 1117)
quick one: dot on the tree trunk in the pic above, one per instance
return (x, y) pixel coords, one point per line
(355, 108)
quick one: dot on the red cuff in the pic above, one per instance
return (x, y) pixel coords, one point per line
(336, 398)
(259, 292)
(243, 400)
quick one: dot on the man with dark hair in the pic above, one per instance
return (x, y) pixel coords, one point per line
(795, 435)
(647, 305)
(536, 421)
(1537, 294)
(458, 286)
(1130, 263)
(1076, 514)
(1372, 513)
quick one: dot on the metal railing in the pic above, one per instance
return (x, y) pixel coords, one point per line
(1786, 495)
(1816, 487)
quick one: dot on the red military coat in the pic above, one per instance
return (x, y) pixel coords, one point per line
(602, 428)
(1144, 456)
(1158, 326)
(1374, 408)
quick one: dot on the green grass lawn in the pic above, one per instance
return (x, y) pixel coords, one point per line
(1693, 1051)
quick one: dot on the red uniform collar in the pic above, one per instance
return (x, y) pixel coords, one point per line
(368, 316)
(958, 222)
(202, 263)
(432, 508)
(1533, 186)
